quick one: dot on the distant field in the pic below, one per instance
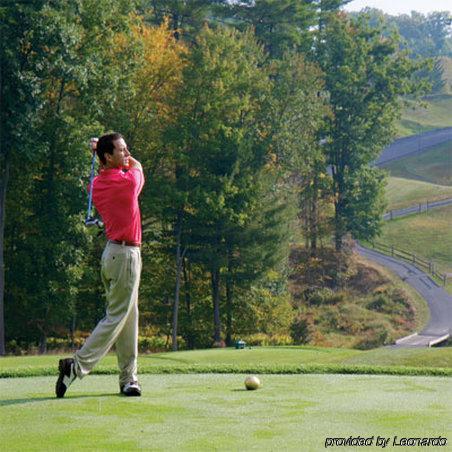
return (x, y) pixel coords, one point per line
(428, 235)
(434, 165)
(405, 192)
(434, 115)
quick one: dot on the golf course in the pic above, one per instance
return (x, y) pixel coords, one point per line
(225, 226)
(197, 401)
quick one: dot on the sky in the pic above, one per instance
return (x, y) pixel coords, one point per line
(395, 7)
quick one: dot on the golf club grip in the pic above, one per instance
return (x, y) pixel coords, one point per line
(90, 197)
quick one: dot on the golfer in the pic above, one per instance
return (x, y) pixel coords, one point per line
(115, 195)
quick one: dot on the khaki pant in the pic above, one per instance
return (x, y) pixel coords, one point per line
(120, 271)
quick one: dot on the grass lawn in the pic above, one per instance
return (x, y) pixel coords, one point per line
(405, 192)
(214, 412)
(434, 166)
(435, 114)
(428, 235)
(276, 360)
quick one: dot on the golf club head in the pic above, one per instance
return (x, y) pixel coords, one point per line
(90, 222)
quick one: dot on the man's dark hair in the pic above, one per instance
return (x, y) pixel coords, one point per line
(105, 144)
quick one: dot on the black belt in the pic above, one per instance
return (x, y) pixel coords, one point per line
(125, 242)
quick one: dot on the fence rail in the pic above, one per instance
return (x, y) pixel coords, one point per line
(418, 261)
(417, 208)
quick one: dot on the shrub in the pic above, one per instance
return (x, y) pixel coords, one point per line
(263, 340)
(157, 344)
(325, 295)
(375, 336)
(301, 329)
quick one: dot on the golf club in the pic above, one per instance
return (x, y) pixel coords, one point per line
(90, 221)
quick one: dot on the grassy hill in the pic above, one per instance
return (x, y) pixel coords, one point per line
(434, 113)
(435, 110)
(434, 165)
(372, 308)
(405, 192)
(428, 235)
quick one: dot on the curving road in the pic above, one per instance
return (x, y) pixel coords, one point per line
(403, 147)
(439, 301)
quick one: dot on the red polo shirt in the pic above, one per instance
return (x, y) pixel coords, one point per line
(115, 195)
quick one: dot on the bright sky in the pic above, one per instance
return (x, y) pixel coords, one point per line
(395, 7)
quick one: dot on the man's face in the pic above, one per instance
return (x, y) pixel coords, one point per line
(120, 156)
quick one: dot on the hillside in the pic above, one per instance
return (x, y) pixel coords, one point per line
(435, 113)
(402, 192)
(373, 307)
(428, 235)
(434, 165)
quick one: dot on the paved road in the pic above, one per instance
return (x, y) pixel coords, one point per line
(414, 144)
(439, 301)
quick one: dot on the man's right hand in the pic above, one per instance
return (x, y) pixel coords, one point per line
(133, 163)
(93, 144)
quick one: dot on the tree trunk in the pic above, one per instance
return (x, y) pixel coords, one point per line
(229, 301)
(179, 258)
(3, 189)
(187, 286)
(314, 221)
(43, 343)
(215, 276)
(339, 228)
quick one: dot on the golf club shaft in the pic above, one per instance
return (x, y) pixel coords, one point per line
(90, 197)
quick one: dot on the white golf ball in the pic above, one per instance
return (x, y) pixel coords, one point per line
(252, 382)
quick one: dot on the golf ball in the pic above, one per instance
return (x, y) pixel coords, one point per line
(252, 383)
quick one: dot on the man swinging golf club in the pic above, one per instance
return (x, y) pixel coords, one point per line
(115, 194)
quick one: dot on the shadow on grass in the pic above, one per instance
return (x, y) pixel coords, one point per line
(9, 402)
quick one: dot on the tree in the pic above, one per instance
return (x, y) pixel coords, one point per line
(63, 45)
(184, 17)
(365, 75)
(20, 100)
(279, 25)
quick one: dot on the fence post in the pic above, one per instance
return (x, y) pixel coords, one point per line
(390, 215)
(427, 205)
(392, 250)
(420, 207)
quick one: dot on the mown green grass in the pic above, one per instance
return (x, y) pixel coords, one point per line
(428, 234)
(405, 192)
(214, 412)
(288, 360)
(434, 166)
(433, 115)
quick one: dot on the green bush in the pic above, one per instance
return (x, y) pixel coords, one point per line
(263, 340)
(301, 329)
(375, 336)
(157, 344)
(325, 295)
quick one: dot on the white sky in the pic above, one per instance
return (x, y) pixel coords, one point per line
(395, 7)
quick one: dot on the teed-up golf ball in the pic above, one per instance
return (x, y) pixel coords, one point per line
(252, 383)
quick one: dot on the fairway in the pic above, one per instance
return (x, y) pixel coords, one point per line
(215, 412)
